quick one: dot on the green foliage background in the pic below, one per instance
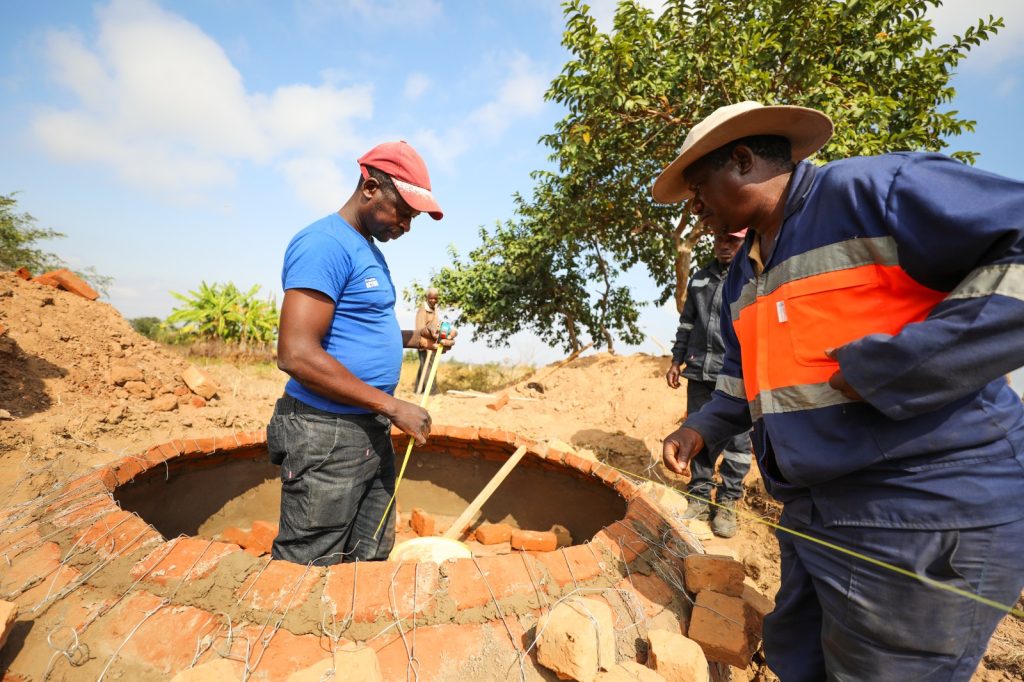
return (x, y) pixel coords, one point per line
(631, 96)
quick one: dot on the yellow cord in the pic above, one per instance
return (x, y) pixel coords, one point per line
(838, 548)
(424, 399)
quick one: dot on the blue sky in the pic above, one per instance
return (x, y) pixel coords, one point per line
(180, 141)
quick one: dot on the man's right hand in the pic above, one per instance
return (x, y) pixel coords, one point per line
(679, 448)
(411, 419)
(672, 376)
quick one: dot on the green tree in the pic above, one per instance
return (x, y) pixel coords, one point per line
(225, 313)
(18, 245)
(631, 96)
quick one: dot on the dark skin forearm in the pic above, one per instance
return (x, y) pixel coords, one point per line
(306, 317)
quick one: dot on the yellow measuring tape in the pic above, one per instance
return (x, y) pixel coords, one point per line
(433, 361)
(843, 550)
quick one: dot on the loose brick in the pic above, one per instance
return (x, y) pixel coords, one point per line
(423, 524)
(282, 585)
(199, 382)
(500, 401)
(493, 533)
(630, 671)
(725, 628)
(505, 575)
(235, 536)
(572, 565)
(761, 604)
(576, 639)
(194, 558)
(676, 657)
(381, 587)
(262, 535)
(716, 572)
(68, 281)
(534, 541)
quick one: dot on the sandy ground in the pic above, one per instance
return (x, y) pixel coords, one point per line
(64, 415)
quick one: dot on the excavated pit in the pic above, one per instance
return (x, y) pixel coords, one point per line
(234, 490)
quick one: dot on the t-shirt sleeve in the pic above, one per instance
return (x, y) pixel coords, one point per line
(317, 261)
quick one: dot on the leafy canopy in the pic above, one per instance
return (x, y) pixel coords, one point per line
(631, 96)
(222, 312)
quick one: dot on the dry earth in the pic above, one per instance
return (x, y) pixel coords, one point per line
(64, 416)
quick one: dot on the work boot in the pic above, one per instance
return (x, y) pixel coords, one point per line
(696, 509)
(724, 523)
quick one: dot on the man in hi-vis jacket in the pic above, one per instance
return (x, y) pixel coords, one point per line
(872, 315)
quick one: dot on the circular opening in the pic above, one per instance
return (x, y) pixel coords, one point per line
(208, 495)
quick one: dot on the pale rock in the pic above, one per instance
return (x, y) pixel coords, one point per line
(8, 613)
(199, 382)
(165, 403)
(631, 671)
(576, 639)
(676, 657)
(121, 374)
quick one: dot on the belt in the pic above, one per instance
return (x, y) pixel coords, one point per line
(286, 404)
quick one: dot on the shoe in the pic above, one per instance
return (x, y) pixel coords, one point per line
(724, 523)
(696, 509)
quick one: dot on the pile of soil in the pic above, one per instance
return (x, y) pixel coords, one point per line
(65, 415)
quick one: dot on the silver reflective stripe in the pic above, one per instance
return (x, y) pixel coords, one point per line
(795, 399)
(1006, 279)
(852, 253)
(730, 386)
(686, 325)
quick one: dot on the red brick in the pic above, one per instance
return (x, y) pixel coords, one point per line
(716, 572)
(128, 468)
(262, 536)
(235, 536)
(451, 651)
(500, 401)
(725, 628)
(623, 542)
(579, 463)
(652, 593)
(117, 533)
(164, 642)
(49, 588)
(68, 281)
(463, 433)
(81, 510)
(199, 382)
(506, 575)
(14, 543)
(494, 533)
(496, 436)
(606, 473)
(381, 587)
(571, 565)
(197, 401)
(282, 585)
(423, 523)
(193, 558)
(626, 488)
(103, 479)
(535, 541)
(23, 273)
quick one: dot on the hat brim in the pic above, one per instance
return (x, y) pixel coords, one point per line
(806, 129)
(418, 198)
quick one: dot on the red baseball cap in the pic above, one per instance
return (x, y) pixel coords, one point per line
(407, 170)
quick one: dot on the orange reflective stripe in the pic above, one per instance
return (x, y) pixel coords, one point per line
(784, 333)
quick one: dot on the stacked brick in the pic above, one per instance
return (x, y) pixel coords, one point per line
(159, 627)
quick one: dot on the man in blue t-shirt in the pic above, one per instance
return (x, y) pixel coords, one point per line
(342, 347)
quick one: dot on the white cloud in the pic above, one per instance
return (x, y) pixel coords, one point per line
(161, 104)
(317, 181)
(954, 16)
(415, 85)
(603, 11)
(520, 95)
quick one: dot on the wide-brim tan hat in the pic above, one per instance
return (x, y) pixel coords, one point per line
(806, 129)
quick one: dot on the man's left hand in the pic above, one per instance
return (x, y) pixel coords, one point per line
(839, 382)
(429, 337)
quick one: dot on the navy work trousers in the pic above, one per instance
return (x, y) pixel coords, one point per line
(337, 477)
(838, 617)
(736, 455)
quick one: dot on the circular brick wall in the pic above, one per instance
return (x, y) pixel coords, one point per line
(113, 594)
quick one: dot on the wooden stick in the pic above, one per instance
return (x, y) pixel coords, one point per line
(455, 530)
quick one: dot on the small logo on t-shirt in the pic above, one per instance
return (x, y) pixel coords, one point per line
(371, 283)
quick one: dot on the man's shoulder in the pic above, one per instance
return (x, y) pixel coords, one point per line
(331, 228)
(884, 165)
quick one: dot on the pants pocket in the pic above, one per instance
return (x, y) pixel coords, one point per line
(277, 441)
(337, 484)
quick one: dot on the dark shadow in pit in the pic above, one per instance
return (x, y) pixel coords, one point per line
(204, 501)
(204, 498)
(531, 498)
(22, 379)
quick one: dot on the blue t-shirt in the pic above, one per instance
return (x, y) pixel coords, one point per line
(329, 256)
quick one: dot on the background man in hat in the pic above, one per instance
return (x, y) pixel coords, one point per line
(699, 347)
(874, 314)
(427, 315)
(341, 344)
